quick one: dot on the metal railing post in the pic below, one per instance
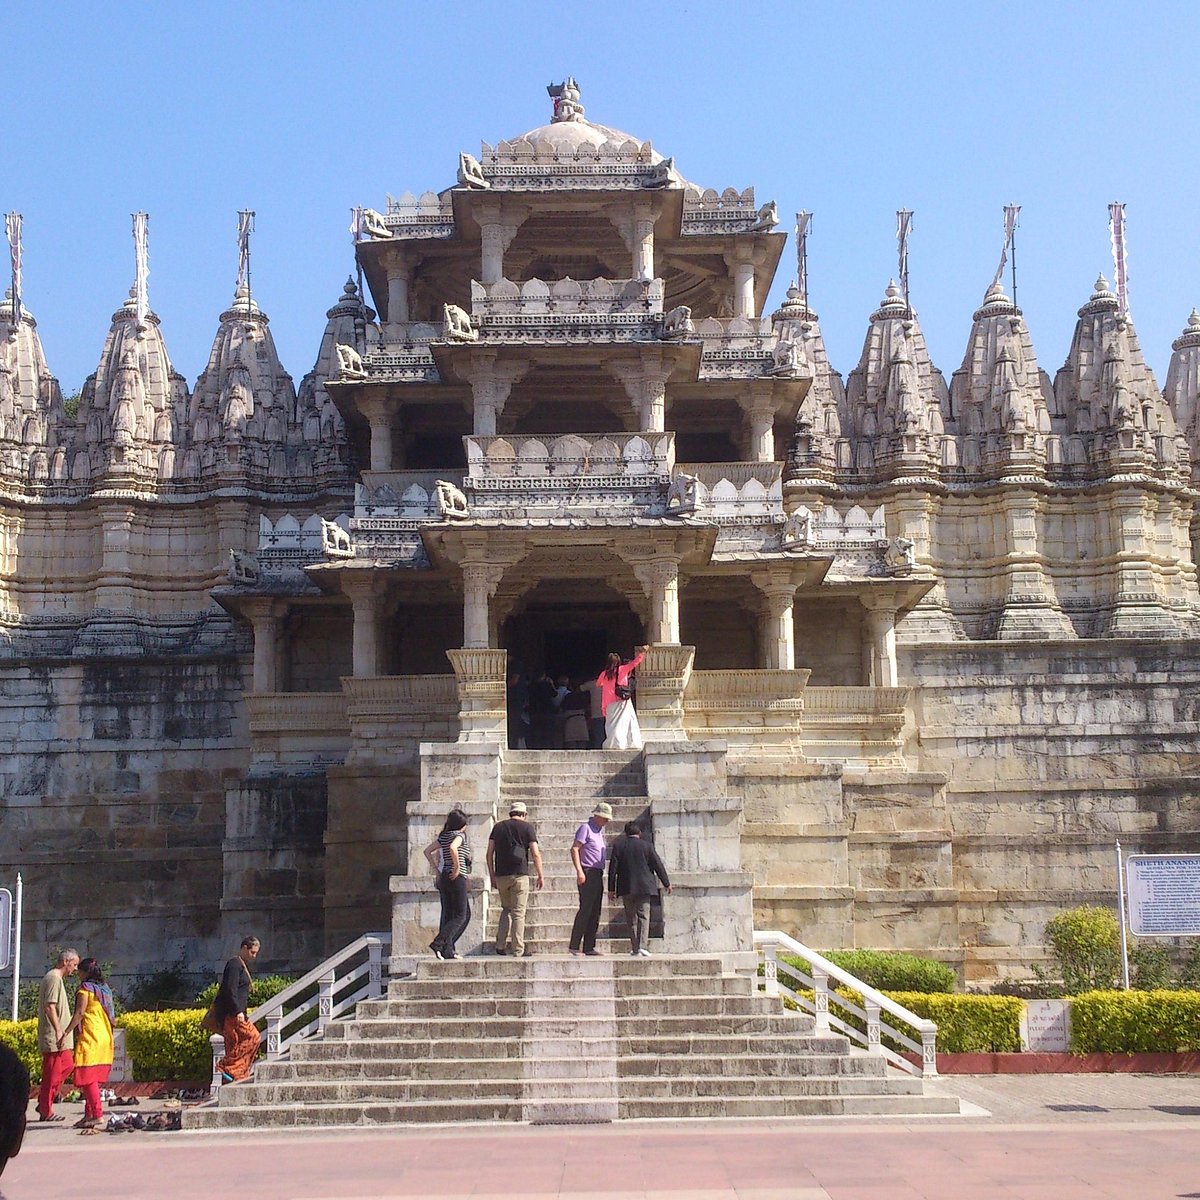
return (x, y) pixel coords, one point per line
(821, 999)
(217, 1042)
(771, 969)
(324, 1001)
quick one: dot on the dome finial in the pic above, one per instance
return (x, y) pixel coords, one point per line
(565, 96)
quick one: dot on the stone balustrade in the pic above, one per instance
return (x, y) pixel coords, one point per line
(298, 727)
(568, 310)
(860, 726)
(482, 703)
(409, 495)
(735, 490)
(749, 709)
(856, 527)
(609, 456)
(426, 216)
(290, 541)
(389, 716)
(662, 680)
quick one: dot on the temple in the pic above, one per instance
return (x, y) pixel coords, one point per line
(918, 653)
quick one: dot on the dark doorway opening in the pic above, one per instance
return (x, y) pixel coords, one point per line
(577, 653)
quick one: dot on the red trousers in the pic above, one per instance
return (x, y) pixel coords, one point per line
(241, 1047)
(55, 1069)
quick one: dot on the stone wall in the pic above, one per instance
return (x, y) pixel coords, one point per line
(112, 805)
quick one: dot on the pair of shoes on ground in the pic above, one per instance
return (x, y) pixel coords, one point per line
(440, 952)
(126, 1102)
(87, 1123)
(642, 953)
(53, 1119)
(588, 953)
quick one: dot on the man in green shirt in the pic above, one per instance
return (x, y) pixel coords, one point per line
(55, 1043)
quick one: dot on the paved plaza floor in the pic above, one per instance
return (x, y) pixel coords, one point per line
(1056, 1137)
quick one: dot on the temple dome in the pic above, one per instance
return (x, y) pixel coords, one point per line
(568, 137)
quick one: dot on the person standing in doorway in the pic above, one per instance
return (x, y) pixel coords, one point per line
(621, 729)
(56, 1041)
(512, 846)
(587, 854)
(92, 1026)
(632, 869)
(595, 712)
(232, 1004)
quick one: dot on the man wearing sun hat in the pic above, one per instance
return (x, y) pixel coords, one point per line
(588, 853)
(512, 846)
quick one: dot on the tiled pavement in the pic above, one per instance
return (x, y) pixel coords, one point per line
(1050, 1136)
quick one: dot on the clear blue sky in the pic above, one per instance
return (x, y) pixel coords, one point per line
(300, 111)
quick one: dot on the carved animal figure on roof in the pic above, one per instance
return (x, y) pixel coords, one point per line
(451, 503)
(243, 568)
(683, 494)
(373, 224)
(456, 324)
(798, 530)
(898, 556)
(350, 363)
(470, 172)
(335, 541)
(678, 322)
(768, 217)
(787, 359)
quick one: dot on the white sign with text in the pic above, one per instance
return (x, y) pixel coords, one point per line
(1164, 894)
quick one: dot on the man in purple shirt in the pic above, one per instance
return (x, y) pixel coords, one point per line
(588, 853)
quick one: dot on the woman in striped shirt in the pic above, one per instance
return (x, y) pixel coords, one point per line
(450, 856)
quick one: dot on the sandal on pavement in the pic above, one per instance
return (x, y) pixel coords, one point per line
(51, 1120)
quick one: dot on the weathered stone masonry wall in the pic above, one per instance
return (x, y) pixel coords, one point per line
(112, 804)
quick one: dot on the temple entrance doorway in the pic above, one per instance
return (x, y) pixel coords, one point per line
(576, 653)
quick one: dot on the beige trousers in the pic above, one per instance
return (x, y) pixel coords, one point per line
(514, 900)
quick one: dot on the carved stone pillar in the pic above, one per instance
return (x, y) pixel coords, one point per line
(498, 225)
(481, 676)
(759, 409)
(379, 417)
(661, 681)
(881, 630)
(265, 615)
(399, 285)
(741, 262)
(480, 581)
(646, 385)
(660, 581)
(366, 592)
(777, 639)
(636, 227)
(491, 385)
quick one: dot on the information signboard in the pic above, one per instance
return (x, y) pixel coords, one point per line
(1164, 895)
(6, 915)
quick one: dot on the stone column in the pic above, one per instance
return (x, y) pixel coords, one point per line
(491, 385)
(646, 385)
(636, 227)
(399, 282)
(759, 409)
(498, 225)
(881, 629)
(741, 263)
(366, 593)
(659, 578)
(264, 614)
(480, 581)
(380, 421)
(778, 630)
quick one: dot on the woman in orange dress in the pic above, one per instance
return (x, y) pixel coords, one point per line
(92, 1025)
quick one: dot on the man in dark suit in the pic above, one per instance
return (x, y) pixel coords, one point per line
(632, 868)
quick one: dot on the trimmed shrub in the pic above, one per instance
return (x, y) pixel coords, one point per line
(167, 1045)
(969, 1024)
(21, 1036)
(888, 971)
(1086, 941)
(261, 990)
(1157, 1022)
(1150, 967)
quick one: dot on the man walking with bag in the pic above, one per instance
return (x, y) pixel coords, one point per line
(511, 846)
(587, 857)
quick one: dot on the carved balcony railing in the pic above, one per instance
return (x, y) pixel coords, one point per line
(735, 492)
(620, 458)
(568, 310)
(298, 727)
(750, 709)
(390, 715)
(711, 213)
(426, 216)
(408, 495)
(292, 542)
(859, 725)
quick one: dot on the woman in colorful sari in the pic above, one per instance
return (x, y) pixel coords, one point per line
(621, 729)
(92, 1025)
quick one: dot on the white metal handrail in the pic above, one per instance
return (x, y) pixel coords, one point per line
(874, 1003)
(354, 973)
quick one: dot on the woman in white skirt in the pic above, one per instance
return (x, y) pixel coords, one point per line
(621, 729)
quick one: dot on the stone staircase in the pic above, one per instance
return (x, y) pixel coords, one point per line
(560, 1040)
(561, 788)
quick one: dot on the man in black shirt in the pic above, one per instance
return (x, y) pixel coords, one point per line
(512, 845)
(632, 867)
(233, 999)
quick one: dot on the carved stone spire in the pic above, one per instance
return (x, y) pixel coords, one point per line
(895, 397)
(1182, 387)
(819, 421)
(133, 406)
(244, 418)
(999, 396)
(346, 325)
(1115, 415)
(32, 422)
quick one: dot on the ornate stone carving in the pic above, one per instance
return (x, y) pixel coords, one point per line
(683, 494)
(350, 363)
(898, 555)
(243, 568)
(798, 531)
(678, 323)
(456, 325)
(335, 541)
(767, 218)
(374, 225)
(787, 360)
(451, 503)
(470, 173)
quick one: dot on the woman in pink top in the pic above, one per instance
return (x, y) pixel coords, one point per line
(621, 729)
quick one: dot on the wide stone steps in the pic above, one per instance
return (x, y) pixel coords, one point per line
(562, 1040)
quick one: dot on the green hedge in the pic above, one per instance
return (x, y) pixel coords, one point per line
(1135, 1022)
(167, 1045)
(22, 1037)
(968, 1024)
(261, 990)
(892, 971)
